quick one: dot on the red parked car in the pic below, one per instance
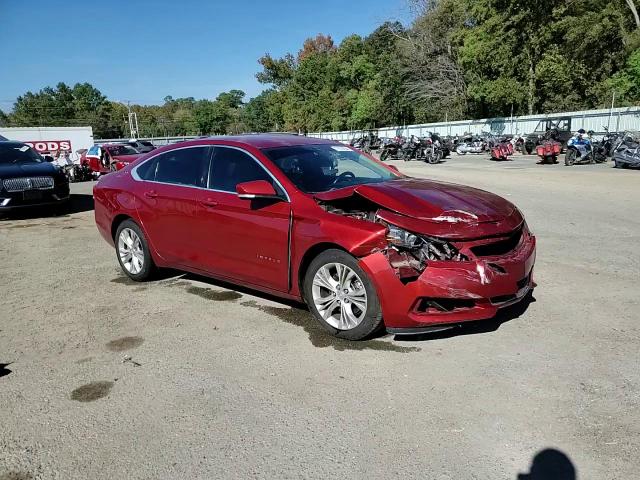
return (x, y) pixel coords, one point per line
(308, 219)
(109, 157)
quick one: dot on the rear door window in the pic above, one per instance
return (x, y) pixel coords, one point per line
(147, 170)
(184, 166)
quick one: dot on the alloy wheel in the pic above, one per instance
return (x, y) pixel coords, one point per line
(339, 296)
(130, 251)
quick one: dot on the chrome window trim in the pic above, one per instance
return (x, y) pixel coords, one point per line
(136, 177)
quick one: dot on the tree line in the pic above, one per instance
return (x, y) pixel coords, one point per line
(457, 59)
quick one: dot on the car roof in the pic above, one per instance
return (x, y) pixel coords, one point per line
(271, 140)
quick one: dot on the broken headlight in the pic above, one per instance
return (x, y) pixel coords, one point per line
(424, 248)
(399, 237)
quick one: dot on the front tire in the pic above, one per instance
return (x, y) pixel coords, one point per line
(570, 157)
(133, 253)
(437, 157)
(341, 296)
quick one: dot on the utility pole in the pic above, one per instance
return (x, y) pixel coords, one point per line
(512, 119)
(613, 103)
(133, 122)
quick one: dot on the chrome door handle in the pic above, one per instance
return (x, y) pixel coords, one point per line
(150, 194)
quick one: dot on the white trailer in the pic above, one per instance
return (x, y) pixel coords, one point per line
(51, 139)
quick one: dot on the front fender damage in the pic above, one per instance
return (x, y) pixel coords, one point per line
(408, 260)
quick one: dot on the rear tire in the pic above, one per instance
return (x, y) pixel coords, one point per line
(350, 306)
(133, 252)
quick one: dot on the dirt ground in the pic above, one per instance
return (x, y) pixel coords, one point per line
(184, 377)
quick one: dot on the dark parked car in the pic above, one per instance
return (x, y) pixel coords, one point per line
(308, 219)
(142, 146)
(27, 179)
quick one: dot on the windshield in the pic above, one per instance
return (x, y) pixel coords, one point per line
(117, 150)
(320, 168)
(17, 153)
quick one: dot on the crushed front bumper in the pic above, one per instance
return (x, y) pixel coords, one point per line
(449, 293)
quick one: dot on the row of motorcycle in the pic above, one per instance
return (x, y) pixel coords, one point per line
(622, 147)
(433, 148)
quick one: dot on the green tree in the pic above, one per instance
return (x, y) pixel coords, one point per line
(276, 72)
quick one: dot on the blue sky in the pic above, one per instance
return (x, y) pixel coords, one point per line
(142, 50)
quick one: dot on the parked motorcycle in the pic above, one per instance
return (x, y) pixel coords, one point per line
(443, 144)
(391, 148)
(431, 151)
(448, 146)
(581, 151)
(471, 144)
(609, 142)
(83, 173)
(367, 142)
(548, 152)
(411, 148)
(502, 151)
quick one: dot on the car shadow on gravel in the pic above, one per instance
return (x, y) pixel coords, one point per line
(297, 313)
(78, 203)
(290, 311)
(504, 315)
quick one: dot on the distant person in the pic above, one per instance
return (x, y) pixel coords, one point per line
(580, 138)
(59, 159)
(66, 157)
(104, 158)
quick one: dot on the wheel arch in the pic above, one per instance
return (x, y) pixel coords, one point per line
(117, 220)
(311, 253)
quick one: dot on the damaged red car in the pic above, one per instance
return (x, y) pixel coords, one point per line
(364, 246)
(108, 157)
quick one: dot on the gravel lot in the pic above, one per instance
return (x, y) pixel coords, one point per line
(190, 378)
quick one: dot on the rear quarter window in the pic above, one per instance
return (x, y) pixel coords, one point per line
(147, 171)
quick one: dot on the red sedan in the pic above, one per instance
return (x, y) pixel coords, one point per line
(307, 219)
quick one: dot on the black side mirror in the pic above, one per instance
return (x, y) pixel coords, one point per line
(48, 158)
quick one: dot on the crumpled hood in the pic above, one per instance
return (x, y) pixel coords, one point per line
(439, 209)
(429, 200)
